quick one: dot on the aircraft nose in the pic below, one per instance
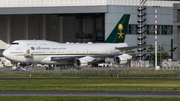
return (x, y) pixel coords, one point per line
(5, 53)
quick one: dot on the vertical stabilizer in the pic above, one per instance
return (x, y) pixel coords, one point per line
(119, 32)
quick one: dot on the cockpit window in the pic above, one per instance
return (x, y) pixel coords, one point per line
(14, 43)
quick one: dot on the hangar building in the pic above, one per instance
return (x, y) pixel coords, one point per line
(85, 20)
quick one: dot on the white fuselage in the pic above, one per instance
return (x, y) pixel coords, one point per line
(41, 51)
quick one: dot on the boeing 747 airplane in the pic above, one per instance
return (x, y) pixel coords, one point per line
(78, 54)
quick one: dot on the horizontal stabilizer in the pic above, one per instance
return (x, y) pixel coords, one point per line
(172, 50)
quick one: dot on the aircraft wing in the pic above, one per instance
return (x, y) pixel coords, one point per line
(116, 54)
(102, 55)
(95, 56)
(130, 47)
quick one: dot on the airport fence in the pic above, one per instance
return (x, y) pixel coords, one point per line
(93, 72)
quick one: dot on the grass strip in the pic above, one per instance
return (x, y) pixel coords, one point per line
(91, 85)
(81, 98)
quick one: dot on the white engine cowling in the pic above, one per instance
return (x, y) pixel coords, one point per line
(81, 63)
(120, 60)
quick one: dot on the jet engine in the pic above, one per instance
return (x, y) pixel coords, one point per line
(80, 63)
(120, 60)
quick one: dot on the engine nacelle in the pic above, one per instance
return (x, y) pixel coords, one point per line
(120, 60)
(81, 63)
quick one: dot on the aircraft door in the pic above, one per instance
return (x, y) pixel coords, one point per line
(29, 57)
(28, 53)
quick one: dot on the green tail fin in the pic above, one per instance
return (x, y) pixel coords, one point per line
(119, 32)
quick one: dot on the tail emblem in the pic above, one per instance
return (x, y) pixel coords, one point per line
(120, 27)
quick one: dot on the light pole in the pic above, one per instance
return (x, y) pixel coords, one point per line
(156, 36)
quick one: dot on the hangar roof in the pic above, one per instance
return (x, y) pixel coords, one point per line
(53, 3)
(54, 10)
(71, 6)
